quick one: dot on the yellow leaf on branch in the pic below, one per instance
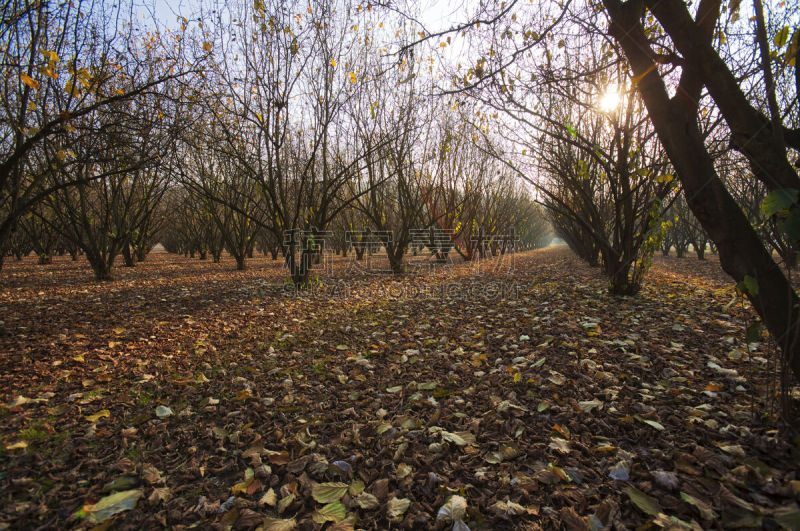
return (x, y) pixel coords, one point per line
(28, 80)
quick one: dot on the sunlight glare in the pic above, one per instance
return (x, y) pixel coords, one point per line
(610, 99)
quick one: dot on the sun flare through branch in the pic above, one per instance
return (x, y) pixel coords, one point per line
(610, 99)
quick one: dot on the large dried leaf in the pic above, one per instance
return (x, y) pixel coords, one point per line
(328, 492)
(705, 510)
(396, 508)
(278, 524)
(645, 503)
(107, 507)
(332, 512)
(454, 509)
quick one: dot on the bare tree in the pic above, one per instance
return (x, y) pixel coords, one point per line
(62, 62)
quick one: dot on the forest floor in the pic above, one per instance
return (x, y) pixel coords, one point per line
(516, 396)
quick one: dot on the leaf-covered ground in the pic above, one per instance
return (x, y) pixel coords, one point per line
(188, 394)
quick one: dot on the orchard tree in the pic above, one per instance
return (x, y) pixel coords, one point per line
(63, 62)
(286, 72)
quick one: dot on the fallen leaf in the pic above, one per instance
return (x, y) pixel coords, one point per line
(99, 415)
(269, 498)
(332, 512)
(278, 524)
(588, 405)
(620, 471)
(651, 423)
(19, 401)
(645, 503)
(109, 506)
(454, 509)
(705, 510)
(277, 458)
(367, 501)
(396, 508)
(328, 492)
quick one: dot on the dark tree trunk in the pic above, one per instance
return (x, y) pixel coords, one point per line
(103, 267)
(700, 250)
(141, 253)
(127, 256)
(617, 268)
(396, 261)
(788, 255)
(45, 258)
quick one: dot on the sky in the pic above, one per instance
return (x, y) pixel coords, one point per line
(435, 15)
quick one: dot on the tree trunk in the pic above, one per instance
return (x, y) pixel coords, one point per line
(127, 256)
(395, 252)
(396, 262)
(300, 269)
(45, 258)
(103, 267)
(240, 266)
(789, 256)
(617, 268)
(141, 252)
(700, 250)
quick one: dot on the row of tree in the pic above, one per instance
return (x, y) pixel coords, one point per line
(267, 121)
